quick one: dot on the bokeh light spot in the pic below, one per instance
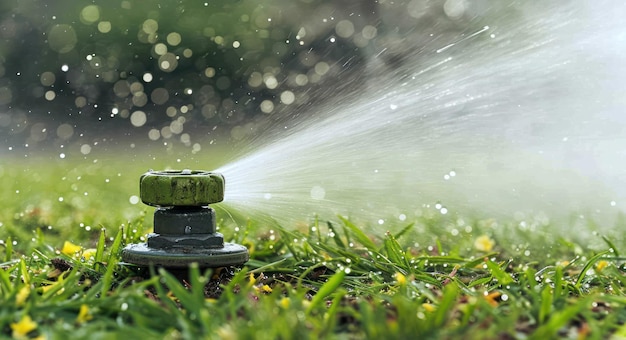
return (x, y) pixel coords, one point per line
(267, 106)
(344, 28)
(150, 26)
(159, 96)
(62, 38)
(50, 95)
(65, 131)
(47, 78)
(85, 149)
(90, 14)
(173, 39)
(454, 8)
(104, 26)
(138, 118)
(287, 97)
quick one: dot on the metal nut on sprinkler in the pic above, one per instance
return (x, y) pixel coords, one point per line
(184, 224)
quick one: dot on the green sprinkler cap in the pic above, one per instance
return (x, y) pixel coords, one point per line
(184, 224)
(190, 188)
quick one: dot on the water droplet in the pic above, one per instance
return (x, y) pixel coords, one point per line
(133, 199)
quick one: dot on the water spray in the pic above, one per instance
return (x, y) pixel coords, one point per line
(184, 224)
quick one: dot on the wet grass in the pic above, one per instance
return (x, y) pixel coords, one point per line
(441, 277)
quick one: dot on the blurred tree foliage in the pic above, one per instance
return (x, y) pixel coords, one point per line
(163, 64)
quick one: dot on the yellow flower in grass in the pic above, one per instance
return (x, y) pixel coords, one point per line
(83, 314)
(484, 243)
(22, 295)
(284, 302)
(492, 298)
(429, 307)
(400, 278)
(70, 248)
(601, 265)
(251, 280)
(23, 327)
(89, 253)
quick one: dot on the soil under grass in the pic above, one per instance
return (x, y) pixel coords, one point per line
(447, 277)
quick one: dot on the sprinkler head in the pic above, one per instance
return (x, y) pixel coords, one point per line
(184, 224)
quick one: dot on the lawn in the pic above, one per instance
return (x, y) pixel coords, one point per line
(64, 222)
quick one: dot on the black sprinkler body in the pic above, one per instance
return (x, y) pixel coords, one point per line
(184, 224)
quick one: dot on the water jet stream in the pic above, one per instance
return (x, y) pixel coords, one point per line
(519, 117)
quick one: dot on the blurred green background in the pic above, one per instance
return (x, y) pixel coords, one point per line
(172, 71)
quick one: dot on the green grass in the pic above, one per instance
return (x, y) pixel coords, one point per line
(438, 277)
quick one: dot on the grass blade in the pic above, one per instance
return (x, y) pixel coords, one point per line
(326, 289)
(99, 257)
(503, 277)
(588, 266)
(359, 234)
(8, 251)
(107, 279)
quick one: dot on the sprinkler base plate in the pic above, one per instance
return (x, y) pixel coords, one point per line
(231, 254)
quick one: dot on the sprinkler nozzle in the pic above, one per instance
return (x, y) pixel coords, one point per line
(184, 224)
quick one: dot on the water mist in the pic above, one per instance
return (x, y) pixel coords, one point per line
(512, 118)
